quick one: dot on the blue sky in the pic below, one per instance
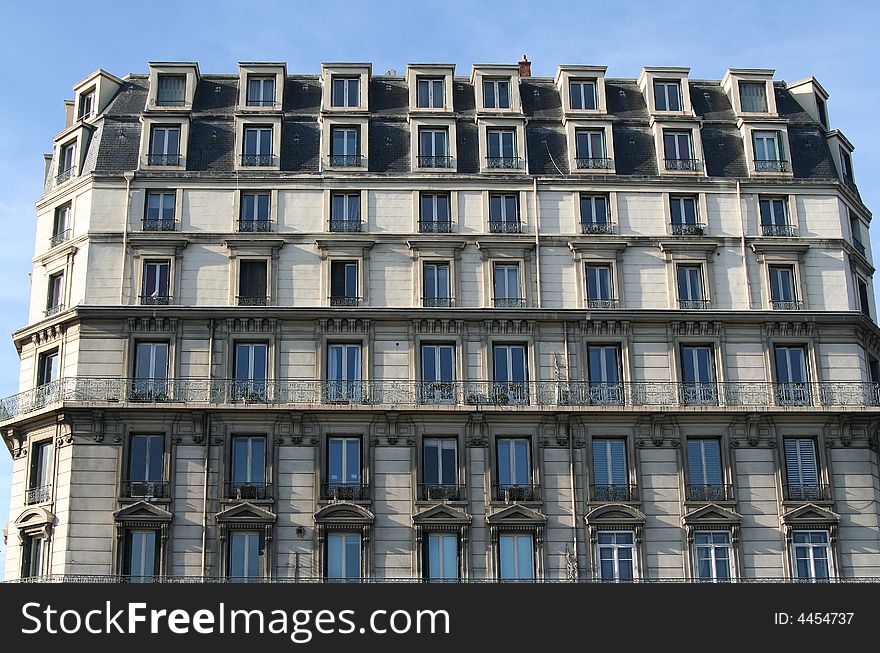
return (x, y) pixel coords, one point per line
(49, 46)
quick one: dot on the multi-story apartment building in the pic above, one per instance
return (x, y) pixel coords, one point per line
(444, 327)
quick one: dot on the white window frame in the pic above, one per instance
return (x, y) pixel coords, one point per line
(347, 82)
(496, 83)
(827, 546)
(665, 85)
(713, 554)
(616, 548)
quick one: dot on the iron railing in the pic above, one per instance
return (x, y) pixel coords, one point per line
(505, 227)
(860, 248)
(38, 494)
(255, 226)
(597, 228)
(345, 300)
(435, 226)
(64, 175)
(246, 491)
(693, 304)
(155, 300)
(512, 492)
(250, 300)
(253, 102)
(594, 163)
(509, 302)
(145, 489)
(771, 165)
(806, 492)
(346, 160)
(158, 224)
(257, 160)
(163, 159)
(602, 303)
(437, 302)
(504, 162)
(613, 492)
(848, 395)
(441, 492)
(60, 237)
(687, 228)
(349, 226)
(345, 492)
(708, 492)
(691, 165)
(435, 161)
(786, 304)
(53, 310)
(785, 230)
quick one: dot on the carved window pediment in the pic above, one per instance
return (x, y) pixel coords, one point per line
(712, 515)
(810, 515)
(35, 522)
(441, 515)
(615, 515)
(344, 513)
(245, 514)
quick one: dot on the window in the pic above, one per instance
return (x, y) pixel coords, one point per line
(441, 556)
(712, 555)
(782, 288)
(86, 105)
(40, 478)
(502, 151)
(864, 301)
(250, 370)
(346, 92)
(247, 555)
(496, 93)
(690, 287)
(141, 558)
(257, 147)
(160, 211)
(254, 214)
(61, 225)
(150, 381)
(344, 283)
(667, 96)
(616, 555)
(504, 213)
(590, 149)
(344, 468)
(436, 291)
(811, 555)
(510, 374)
(248, 477)
(610, 471)
(514, 469)
(594, 214)
(822, 110)
(171, 91)
(33, 554)
(855, 226)
(252, 283)
(678, 150)
(802, 470)
(507, 289)
(769, 151)
(146, 467)
(55, 294)
(516, 556)
(705, 476)
(604, 371)
(164, 146)
(47, 367)
(792, 384)
(440, 473)
(429, 93)
(600, 291)
(846, 167)
(434, 215)
(753, 97)
(698, 375)
(343, 556)
(345, 212)
(345, 146)
(261, 91)
(66, 162)
(774, 217)
(344, 367)
(582, 93)
(156, 282)
(434, 148)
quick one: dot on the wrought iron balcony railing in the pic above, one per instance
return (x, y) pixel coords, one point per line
(346, 160)
(53, 310)
(693, 304)
(509, 302)
(38, 494)
(155, 300)
(786, 304)
(258, 160)
(145, 489)
(254, 102)
(513, 492)
(158, 224)
(247, 491)
(771, 165)
(250, 300)
(785, 230)
(690, 165)
(594, 163)
(60, 237)
(345, 492)
(437, 302)
(504, 162)
(435, 226)
(441, 492)
(613, 492)
(708, 493)
(505, 227)
(806, 492)
(687, 228)
(255, 226)
(344, 300)
(163, 159)
(435, 161)
(859, 246)
(597, 228)
(602, 303)
(64, 175)
(92, 391)
(347, 226)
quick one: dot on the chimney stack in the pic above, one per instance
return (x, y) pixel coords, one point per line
(525, 67)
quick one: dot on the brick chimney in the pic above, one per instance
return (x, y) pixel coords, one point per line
(525, 67)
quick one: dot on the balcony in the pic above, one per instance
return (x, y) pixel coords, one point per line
(441, 492)
(253, 102)
(786, 304)
(613, 493)
(145, 489)
(437, 302)
(435, 161)
(647, 396)
(850, 183)
(258, 160)
(346, 226)
(708, 493)
(435, 226)
(602, 303)
(781, 230)
(693, 304)
(38, 494)
(597, 228)
(60, 237)
(154, 300)
(345, 492)
(255, 226)
(511, 493)
(64, 175)
(163, 160)
(505, 227)
(53, 310)
(687, 228)
(249, 300)
(594, 163)
(346, 300)
(509, 302)
(772, 165)
(860, 248)
(158, 224)
(247, 491)
(504, 162)
(806, 492)
(345, 161)
(683, 165)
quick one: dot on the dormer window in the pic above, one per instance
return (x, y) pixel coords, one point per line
(434, 148)
(164, 146)
(822, 110)
(346, 92)
(846, 167)
(502, 149)
(769, 151)
(753, 97)
(257, 147)
(261, 91)
(496, 93)
(86, 105)
(66, 162)
(345, 146)
(429, 93)
(171, 90)
(678, 149)
(590, 146)
(667, 96)
(582, 94)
